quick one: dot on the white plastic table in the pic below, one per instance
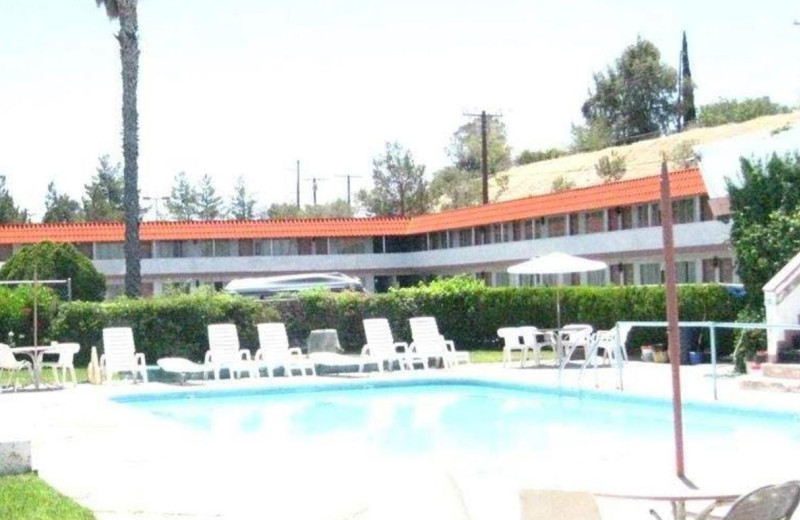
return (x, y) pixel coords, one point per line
(35, 354)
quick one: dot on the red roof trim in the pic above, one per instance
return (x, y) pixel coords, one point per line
(685, 183)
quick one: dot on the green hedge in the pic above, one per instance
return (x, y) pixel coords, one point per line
(164, 326)
(470, 314)
(16, 313)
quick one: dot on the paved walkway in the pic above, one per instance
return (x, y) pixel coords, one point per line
(126, 464)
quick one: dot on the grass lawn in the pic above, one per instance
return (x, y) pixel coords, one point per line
(496, 356)
(47, 375)
(27, 497)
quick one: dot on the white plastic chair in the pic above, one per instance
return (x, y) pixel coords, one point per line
(119, 354)
(512, 342)
(9, 363)
(613, 349)
(224, 352)
(428, 342)
(571, 337)
(66, 354)
(534, 340)
(381, 347)
(274, 351)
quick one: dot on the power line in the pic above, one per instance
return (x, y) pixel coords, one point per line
(313, 181)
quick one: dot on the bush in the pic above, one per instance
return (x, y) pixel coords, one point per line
(163, 326)
(470, 313)
(16, 313)
(57, 261)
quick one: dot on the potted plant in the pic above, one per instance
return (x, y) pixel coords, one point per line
(660, 354)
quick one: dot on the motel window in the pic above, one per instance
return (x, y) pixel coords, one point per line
(284, 246)
(305, 246)
(705, 209)
(146, 249)
(621, 274)
(497, 233)
(683, 211)
(502, 279)
(540, 228)
(465, 237)
(642, 217)
(685, 272)
(109, 250)
(114, 290)
(262, 247)
(626, 217)
(549, 280)
(726, 270)
(613, 219)
(655, 214)
(452, 238)
(572, 279)
(593, 222)
(709, 270)
(650, 274)
(596, 277)
(438, 240)
(574, 224)
(226, 248)
(556, 226)
(516, 227)
(321, 246)
(528, 231)
(348, 246)
(482, 235)
(6, 250)
(246, 247)
(169, 249)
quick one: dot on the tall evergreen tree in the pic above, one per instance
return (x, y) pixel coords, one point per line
(687, 109)
(104, 195)
(209, 204)
(242, 204)
(182, 201)
(60, 207)
(399, 185)
(9, 212)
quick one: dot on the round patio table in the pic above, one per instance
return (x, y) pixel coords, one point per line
(35, 354)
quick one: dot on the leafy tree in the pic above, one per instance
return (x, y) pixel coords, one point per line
(456, 188)
(610, 167)
(209, 205)
(9, 212)
(561, 184)
(530, 156)
(727, 111)
(465, 147)
(283, 211)
(594, 135)
(60, 207)
(683, 155)
(399, 185)
(57, 261)
(128, 38)
(766, 220)
(104, 195)
(635, 97)
(338, 208)
(243, 203)
(182, 201)
(687, 112)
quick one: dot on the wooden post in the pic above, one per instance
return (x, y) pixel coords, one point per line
(673, 334)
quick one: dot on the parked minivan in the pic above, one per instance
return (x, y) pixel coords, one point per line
(270, 286)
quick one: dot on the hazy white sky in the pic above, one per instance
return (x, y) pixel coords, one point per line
(246, 87)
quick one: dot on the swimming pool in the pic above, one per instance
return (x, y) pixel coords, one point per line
(458, 418)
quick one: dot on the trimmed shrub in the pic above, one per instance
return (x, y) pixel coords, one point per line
(16, 313)
(57, 261)
(470, 313)
(164, 326)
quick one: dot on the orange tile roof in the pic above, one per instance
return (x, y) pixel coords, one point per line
(685, 183)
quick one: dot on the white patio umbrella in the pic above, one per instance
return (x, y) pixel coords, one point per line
(557, 263)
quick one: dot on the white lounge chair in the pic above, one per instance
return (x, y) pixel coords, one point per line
(224, 352)
(613, 348)
(535, 340)
(274, 351)
(428, 342)
(512, 342)
(571, 337)
(119, 354)
(381, 347)
(66, 354)
(9, 363)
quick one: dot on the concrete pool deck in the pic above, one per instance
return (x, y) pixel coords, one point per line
(124, 464)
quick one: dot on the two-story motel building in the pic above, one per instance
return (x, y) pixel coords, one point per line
(616, 222)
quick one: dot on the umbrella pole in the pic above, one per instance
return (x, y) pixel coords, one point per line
(672, 316)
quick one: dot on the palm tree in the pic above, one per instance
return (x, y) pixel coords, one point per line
(125, 12)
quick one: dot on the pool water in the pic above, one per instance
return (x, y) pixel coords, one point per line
(460, 417)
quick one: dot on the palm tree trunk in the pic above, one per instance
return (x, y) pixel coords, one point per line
(129, 54)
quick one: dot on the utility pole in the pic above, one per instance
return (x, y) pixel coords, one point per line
(348, 185)
(298, 183)
(314, 181)
(484, 150)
